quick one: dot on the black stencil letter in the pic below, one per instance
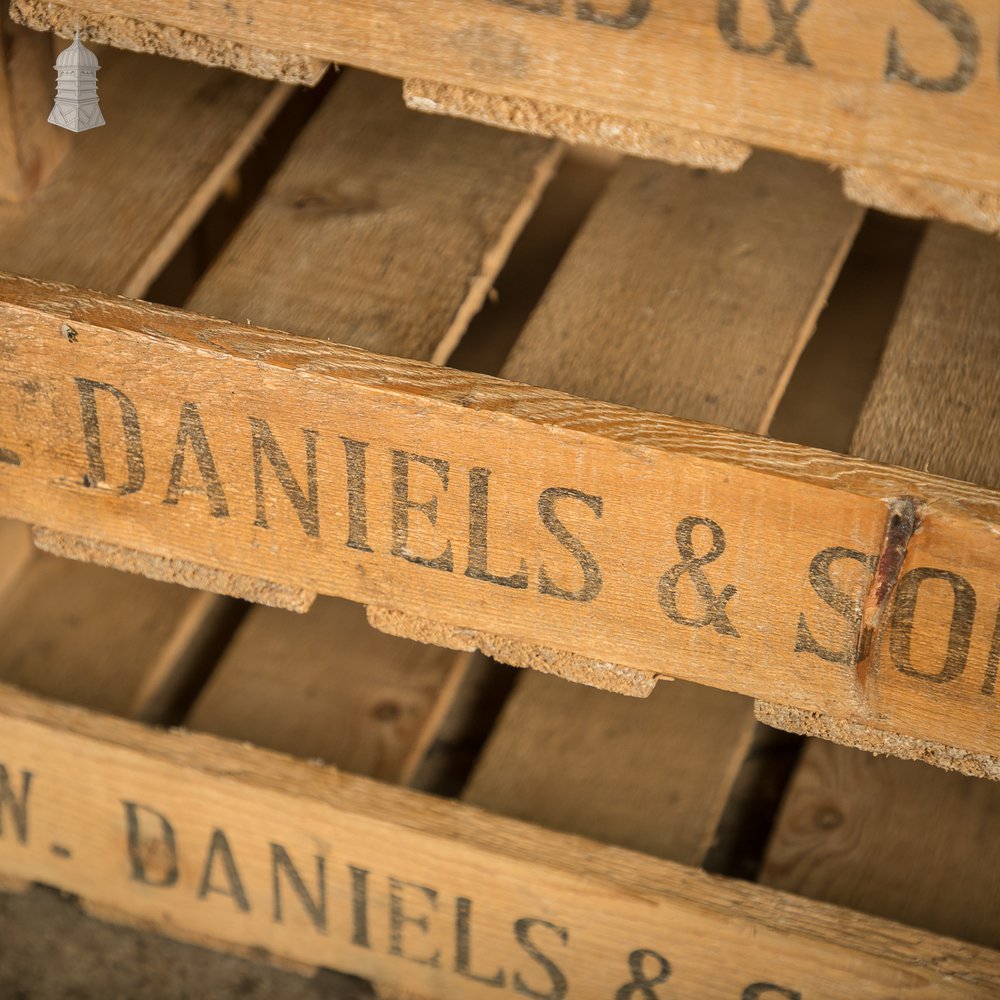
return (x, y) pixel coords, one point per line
(191, 430)
(16, 805)
(264, 443)
(847, 607)
(592, 580)
(479, 505)
(148, 851)
(715, 604)
(557, 978)
(966, 35)
(92, 436)
(962, 615)
(402, 505)
(784, 37)
(316, 908)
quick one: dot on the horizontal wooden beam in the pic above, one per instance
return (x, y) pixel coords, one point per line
(913, 88)
(626, 537)
(238, 847)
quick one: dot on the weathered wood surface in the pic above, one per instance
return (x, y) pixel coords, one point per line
(30, 148)
(655, 775)
(239, 845)
(893, 838)
(129, 194)
(383, 229)
(933, 406)
(273, 412)
(906, 87)
(125, 32)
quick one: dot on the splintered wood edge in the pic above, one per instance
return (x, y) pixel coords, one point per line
(633, 136)
(11, 885)
(920, 198)
(853, 734)
(188, 574)
(166, 40)
(516, 653)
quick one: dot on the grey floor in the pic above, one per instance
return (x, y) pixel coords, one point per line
(50, 950)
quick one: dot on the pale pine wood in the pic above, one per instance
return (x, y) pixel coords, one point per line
(87, 635)
(673, 67)
(720, 935)
(327, 686)
(613, 132)
(779, 504)
(384, 229)
(130, 193)
(893, 838)
(126, 32)
(655, 775)
(30, 148)
(884, 836)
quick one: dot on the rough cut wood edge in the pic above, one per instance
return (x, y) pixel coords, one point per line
(12, 885)
(922, 198)
(632, 136)
(852, 734)
(188, 574)
(166, 40)
(607, 676)
(613, 900)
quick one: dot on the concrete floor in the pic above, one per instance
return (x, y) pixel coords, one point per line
(50, 950)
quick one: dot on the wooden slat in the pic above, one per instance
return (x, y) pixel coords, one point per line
(890, 837)
(767, 245)
(585, 907)
(906, 87)
(384, 229)
(91, 636)
(131, 192)
(329, 687)
(30, 148)
(777, 505)
(893, 838)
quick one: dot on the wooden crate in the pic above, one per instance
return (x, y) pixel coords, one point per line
(903, 95)
(291, 812)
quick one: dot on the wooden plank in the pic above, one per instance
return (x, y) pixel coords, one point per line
(935, 410)
(15, 551)
(126, 32)
(911, 88)
(108, 219)
(414, 216)
(30, 148)
(95, 637)
(776, 506)
(488, 895)
(329, 687)
(655, 776)
(893, 838)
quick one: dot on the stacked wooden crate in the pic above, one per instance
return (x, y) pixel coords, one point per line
(585, 535)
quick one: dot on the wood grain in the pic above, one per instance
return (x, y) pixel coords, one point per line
(130, 193)
(383, 229)
(885, 836)
(655, 775)
(896, 86)
(417, 857)
(893, 838)
(777, 505)
(327, 686)
(30, 148)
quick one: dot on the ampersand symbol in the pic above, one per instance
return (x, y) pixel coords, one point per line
(715, 604)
